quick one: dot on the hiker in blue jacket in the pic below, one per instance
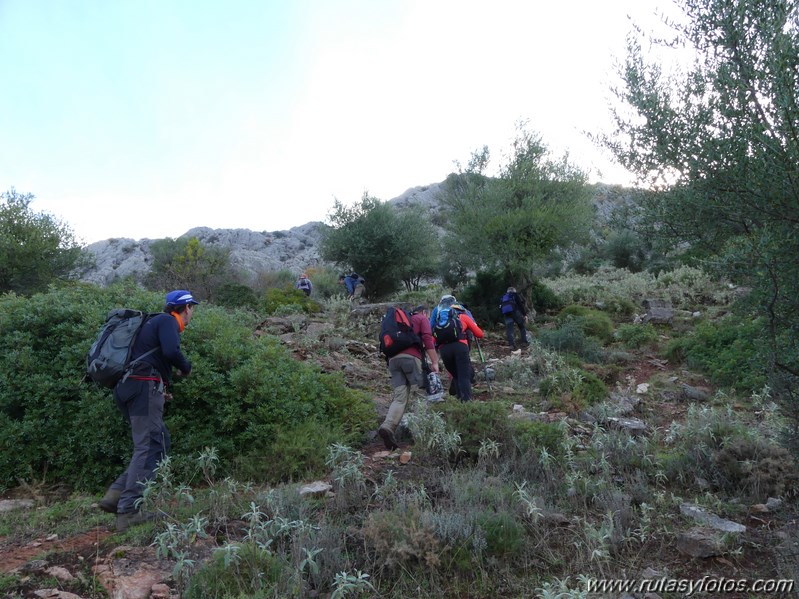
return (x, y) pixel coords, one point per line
(514, 311)
(140, 395)
(355, 284)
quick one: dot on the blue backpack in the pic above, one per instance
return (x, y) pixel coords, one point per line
(448, 327)
(508, 303)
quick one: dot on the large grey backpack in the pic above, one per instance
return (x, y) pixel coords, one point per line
(109, 356)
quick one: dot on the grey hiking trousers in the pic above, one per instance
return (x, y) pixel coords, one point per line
(142, 404)
(406, 377)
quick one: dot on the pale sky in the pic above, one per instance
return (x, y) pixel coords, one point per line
(145, 118)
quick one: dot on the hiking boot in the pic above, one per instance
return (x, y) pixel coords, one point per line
(388, 438)
(128, 519)
(109, 501)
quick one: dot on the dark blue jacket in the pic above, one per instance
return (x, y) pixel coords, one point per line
(350, 282)
(161, 332)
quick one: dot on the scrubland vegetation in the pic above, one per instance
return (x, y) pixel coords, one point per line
(574, 465)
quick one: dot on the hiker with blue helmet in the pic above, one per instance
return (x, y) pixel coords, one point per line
(514, 311)
(140, 395)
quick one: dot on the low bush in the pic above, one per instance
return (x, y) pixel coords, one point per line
(634, 336)
(243, 396)
(531, 436)
(477, 422)
(727, 351)
(246, 570)
(288, 300)
(593, 323)
(571, 338)
(573, 389)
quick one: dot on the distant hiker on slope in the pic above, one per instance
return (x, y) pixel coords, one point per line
(304, 284)
(514, 311)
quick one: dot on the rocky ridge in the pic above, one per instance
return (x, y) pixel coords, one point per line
(254, 252)
(251, 252)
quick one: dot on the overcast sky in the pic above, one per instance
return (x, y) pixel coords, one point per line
(145, 118)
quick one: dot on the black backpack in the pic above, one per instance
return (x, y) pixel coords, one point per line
(508, 303)
(396, 333)
(448, 327)
(109, 356)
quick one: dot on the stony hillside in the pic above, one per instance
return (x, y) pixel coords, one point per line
(253, 252)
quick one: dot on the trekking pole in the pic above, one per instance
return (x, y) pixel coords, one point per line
(485, 366)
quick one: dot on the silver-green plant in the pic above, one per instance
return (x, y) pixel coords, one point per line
(559, 589)
(488, 451)
(431, 433)
(208, 460)
(347, 465)
(347, 585)
(528, 502)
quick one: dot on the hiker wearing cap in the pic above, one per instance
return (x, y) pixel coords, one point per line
(304, 284)
(514, 311)
(140, 395)
(406, 375)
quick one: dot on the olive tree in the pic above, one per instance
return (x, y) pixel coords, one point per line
(511, 223)
(35, 248)
(187, 263)
(718, 141)
(383, 244)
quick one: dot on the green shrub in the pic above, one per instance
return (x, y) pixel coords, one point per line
(594, 323)
(633, 336)
(476, 422)
(531, 436)
(571, 338)
(242, 393)
(504, 535)
(251, 572)
(302, 449)
(726, 351)
(543, 298)
(234, 295)
(618, 308)
(624, 249)
(573, 389)
(279, 298)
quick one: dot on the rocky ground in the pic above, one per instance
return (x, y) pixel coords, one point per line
(48, 563)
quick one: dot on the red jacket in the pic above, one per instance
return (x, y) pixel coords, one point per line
(421, 326)
(468, 324)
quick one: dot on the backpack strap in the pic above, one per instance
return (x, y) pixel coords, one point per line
(132, 362)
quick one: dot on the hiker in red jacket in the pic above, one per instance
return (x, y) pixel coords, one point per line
(455, 352)
(406, 375)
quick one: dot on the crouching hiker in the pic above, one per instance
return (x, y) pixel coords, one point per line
(140, 395)
(405, 369)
